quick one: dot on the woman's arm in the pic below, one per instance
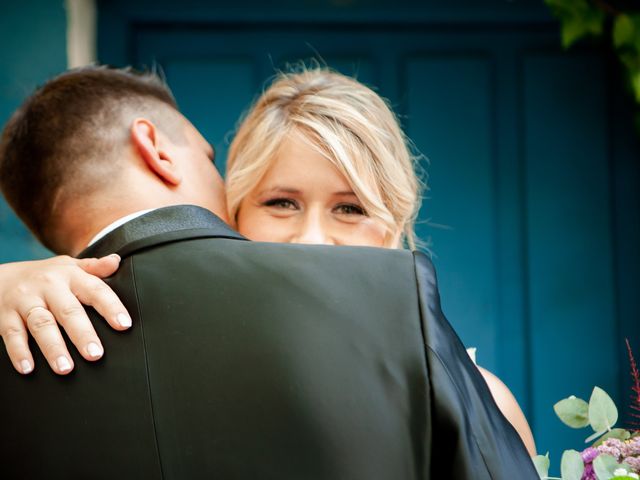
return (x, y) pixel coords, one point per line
(35, 296)
(509, 407)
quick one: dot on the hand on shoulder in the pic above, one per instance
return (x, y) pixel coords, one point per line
(37, 295)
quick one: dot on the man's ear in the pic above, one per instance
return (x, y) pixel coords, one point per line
(144, 136)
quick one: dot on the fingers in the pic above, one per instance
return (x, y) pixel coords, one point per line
(100, 267)
(68, 311)
(92, 291)
(33, 295)
(14, 335)
(44, 329)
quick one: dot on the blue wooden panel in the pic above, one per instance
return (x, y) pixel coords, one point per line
(401, 13)
(211, 93)
(450, 117)
(16, 242)
(359, 65)
(572, 306)
(514, 346)
(625, 145)
(32, 34)
(213, 87)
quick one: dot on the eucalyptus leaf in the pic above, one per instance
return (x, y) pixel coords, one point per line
(604, 465)
(603, 413)
(573, 412)
(571, 466)
(541, 462)
(595, 435)
(619, 433)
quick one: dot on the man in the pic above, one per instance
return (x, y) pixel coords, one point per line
(245, 360)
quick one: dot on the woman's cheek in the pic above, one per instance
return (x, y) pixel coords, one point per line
(366, 233)
(375, 236)
(260, 226)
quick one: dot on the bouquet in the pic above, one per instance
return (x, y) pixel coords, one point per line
(616, 451)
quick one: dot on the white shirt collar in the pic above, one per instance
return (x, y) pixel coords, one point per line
(111, 227)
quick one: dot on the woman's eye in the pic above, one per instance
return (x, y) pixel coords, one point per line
(283, 203)
(350, 209)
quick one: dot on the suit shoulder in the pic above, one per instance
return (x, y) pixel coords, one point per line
(348, 254)
(423, 263)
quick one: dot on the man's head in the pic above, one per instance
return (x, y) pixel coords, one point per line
(94, 144)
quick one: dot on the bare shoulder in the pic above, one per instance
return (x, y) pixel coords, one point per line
(509, 407)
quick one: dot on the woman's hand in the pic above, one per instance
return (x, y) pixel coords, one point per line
(35, 296)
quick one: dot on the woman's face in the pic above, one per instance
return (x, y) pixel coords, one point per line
(303, 198)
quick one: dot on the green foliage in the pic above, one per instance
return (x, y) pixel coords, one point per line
(603, 413)
(626, 40)
(580, 19)
(605, 467)
(541, 462)
(571, 466)
(619, 433)
(600, 413)
(574, 412)
(626, 31)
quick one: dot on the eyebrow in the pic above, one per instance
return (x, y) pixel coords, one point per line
(345, 193)
(279, 189)
(295, 191)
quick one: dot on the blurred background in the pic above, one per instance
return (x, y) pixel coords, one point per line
(533, 208)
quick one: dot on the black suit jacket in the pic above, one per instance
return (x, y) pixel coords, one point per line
(256, 360)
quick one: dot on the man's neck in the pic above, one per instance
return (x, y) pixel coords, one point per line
(118, 223)
(81, 230)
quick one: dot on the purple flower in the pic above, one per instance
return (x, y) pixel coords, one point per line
(589, 454)
(588, 473)
(633, 462)
(631, 447)
(613, 447)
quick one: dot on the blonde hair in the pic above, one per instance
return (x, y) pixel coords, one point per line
(347, 123)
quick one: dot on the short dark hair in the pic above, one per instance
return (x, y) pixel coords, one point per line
(54, 141)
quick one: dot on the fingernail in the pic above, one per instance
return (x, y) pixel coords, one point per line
(116, 256)
(94, 350)
(63, 364)
(124, 320)
(26, 366)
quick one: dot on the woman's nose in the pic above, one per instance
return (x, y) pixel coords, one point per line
(313, 230)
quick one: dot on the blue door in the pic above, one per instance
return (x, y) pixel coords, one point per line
(532, 212)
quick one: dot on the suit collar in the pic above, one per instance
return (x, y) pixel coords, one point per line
(163, 225)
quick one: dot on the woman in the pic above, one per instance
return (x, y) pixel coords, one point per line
(310, 135)
(321, 159)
